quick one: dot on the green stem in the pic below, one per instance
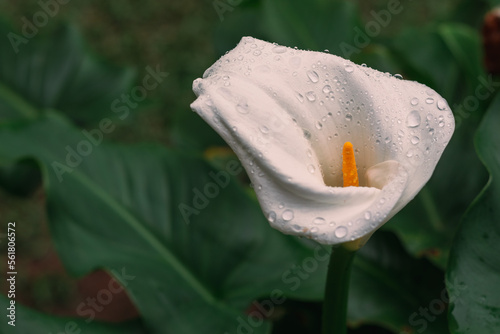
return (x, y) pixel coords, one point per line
(336, 291)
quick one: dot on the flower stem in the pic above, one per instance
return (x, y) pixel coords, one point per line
(336, 291)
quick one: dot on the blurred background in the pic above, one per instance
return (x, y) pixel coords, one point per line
(438, 43)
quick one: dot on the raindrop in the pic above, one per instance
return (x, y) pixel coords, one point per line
(368, 215)
(311, 169)
(257, 53)
(300, 97)
(313, 76)
(314, 230)
(429, 100)
(348, 117)
(307, 134)
(279, 49)
(398, 76)
(388, 139)
(281, 205)
(414, 140)
(413, 119)
(431, 131)
(414, 101)
(319, 221)
(349, 69)
(340, 232)
(271, 217)
(311, 96)
(327, 89)
(441, 104)
(319, 125)
(287, 215)
(242, 108)
(264, 129)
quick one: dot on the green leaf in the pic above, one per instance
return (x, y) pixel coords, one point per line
(30, 321)
(128, 210)
(473, 275)
(56, 72)
(314, 25)
(390, 288)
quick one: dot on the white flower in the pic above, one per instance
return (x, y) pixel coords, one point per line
(287, 114)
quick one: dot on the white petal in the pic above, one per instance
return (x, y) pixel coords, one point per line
(287, 113)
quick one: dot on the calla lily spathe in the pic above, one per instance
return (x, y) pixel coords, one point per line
(287, 114)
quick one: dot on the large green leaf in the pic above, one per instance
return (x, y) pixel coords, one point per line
(390, 288)
(473, 275)
(29, 321)
(121, 209)
(56, 71)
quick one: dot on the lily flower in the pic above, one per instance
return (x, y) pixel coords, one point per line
(288, 114)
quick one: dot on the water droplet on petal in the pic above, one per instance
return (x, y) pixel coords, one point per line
(319, 221)
(441, 104)
(319, 125)
(348, 117)
(287, 215)
(414, 101)
(413, 120)
(313, 76)
(340, 232)
(300, 97)
(414, 140)
(311, 96)
(311, 169)
(429, 100)
(279, 49)
(327, 89)
(368, 215)
(349, 68)
(242, 108)
(264, 129)
(398, 76)
(271, 217)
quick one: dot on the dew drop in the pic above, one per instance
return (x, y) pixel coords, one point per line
(311, 96)
(287, 215)
(319, 221)
(348, 117)
(429, 100)
(441, 104)
(271, 217)
(327, 89)
(313, 76)
(242, 108)
(388, 139)
(398, 76)
(311, 169)
(415, 140)
(309, 153)
(368, 215)
(300, 97)
(414, 101)
(349, 68)
(340, 232)
(314, 230)
(281, 205)
(319, 125)
(264, 129)
(413, 120)
(279, 49)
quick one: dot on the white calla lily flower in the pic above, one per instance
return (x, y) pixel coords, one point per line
(287, 114)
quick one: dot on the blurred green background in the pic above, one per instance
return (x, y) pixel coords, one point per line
(435, 42)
